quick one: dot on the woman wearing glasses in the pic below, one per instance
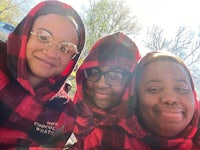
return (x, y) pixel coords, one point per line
(39, 56)
(102, 79)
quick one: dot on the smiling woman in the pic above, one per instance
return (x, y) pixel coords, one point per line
(166, 105)
(34, 64)
(102, 82)
(41, 50)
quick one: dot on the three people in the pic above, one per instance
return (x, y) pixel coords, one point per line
(39, 56)
(102, 80)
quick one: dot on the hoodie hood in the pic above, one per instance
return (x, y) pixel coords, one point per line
(115, 50)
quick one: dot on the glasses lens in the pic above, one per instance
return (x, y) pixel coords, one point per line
(68, 49)
(114, 77)
(92, 74)
(43, 36)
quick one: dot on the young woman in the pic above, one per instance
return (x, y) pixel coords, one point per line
(102, 80)
(166, 104)
(39, 56)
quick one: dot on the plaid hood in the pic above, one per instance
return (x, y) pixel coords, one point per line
(17, 42)
(115, 50)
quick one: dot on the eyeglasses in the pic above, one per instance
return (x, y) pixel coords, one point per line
(68, 49)
(112, 77)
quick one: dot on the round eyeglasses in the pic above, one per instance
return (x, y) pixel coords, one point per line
(112, 77)
(67, 49)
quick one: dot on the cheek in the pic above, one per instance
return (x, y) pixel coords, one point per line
(32, 47)
(89, 84)
(63, 63)
(119, 90)
(89, 88)
(142, 97)
(189, 104)
(31, 44)
(146, 100)
(29, 50)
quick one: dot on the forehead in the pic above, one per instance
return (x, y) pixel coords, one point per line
(107, 68)
(164, 70)
(59, 26)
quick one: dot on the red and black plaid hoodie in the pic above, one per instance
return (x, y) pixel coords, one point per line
(92, 123)
(29, 117)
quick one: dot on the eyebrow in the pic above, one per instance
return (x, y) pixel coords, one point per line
(52, 35)
(181, 80)
(45, 30)
(112, 68)
(153, 80)
(176, 80)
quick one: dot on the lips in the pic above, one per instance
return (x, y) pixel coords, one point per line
(169, 114)
(102, 95)
(46, 63)
(103, 92)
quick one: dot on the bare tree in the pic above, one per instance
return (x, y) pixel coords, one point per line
(154, 38)
(186, 45)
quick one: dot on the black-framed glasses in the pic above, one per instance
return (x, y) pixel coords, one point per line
(67, 49)
(112, 77)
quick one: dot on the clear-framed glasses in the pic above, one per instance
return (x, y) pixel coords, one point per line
(67, 49)
(112, 77)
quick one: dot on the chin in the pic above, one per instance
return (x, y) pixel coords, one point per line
(169, 133)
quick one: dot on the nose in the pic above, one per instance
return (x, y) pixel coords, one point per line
(51, 50)
(169, 98)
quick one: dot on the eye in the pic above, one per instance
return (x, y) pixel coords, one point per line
(43, 37)
(182, 90)
(68, 48)
(115, 75)
(65, 50)
(94, 72)
(154, 89)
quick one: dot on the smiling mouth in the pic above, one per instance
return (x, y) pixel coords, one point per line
(170, 114)
(46, 63)
(100, 92)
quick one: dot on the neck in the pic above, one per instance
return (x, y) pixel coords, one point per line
(34, 81)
